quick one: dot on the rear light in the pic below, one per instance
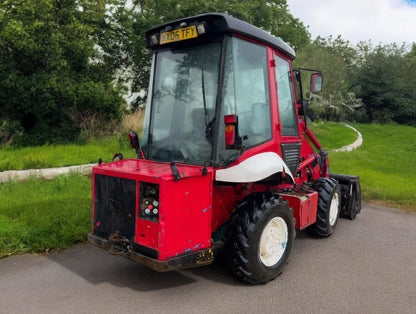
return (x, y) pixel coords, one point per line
(149, 201)
(231, 119)
(232, 138)
(229, 135)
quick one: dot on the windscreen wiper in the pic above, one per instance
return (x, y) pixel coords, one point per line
(208, 125)
(203, 95)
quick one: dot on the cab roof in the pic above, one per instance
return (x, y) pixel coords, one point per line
(223, 23)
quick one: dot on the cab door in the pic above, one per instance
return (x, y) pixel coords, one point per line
(290, 139)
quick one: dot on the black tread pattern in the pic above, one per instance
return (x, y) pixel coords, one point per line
(243, 237)
(325, 187)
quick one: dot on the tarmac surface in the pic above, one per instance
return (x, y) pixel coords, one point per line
(366, 266)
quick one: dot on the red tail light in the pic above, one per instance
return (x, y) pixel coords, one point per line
(232, 138)
(229, 135)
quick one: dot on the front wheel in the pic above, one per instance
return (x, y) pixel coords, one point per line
(329, 207)
(260, 238)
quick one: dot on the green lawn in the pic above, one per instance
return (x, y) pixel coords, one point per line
(385, 164)
(39, 215)
(333, 135)
(63, 155)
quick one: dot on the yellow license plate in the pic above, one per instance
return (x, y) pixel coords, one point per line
(178, 35)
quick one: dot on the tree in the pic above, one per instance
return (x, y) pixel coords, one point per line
(51, 74)
(384, 82)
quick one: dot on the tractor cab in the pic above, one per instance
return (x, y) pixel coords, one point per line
(213, 91)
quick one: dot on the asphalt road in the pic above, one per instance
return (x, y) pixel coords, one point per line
(366, 266)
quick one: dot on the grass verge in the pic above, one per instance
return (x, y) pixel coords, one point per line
(333, 135)
(36, 216)
(385, 164)
(48, 156)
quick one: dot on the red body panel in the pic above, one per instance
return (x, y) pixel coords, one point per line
(185, 205)
(225, 200)
(185, 215)
(304, 208)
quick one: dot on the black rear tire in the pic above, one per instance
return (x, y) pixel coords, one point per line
(259, 239)
(329, 207)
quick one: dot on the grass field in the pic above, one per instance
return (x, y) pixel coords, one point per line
(36, 216)
(333, 135)
(48, 156)
(385, 164)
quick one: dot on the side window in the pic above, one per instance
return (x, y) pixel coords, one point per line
(285, 98)
(246, 92)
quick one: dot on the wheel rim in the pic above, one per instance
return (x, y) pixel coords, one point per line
(333, 210)
(273, 241)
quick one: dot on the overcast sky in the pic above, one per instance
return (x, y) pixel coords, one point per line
(382, 21)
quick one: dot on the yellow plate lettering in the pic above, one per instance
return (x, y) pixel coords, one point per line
(178, 35)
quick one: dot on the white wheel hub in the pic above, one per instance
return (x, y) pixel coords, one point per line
(333, 210)
(273, 241)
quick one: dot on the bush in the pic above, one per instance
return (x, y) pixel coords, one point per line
(51, 75)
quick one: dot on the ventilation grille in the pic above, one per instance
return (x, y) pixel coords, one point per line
(291, 156)
(115, 208)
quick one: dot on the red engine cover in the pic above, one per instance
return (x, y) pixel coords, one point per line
(185, 205)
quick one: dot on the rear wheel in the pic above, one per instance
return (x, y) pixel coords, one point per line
(329, 207)
(260, 238)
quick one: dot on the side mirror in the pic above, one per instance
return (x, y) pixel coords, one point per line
(232, 137)
(134, 139)
(316, 82)
(134, 143)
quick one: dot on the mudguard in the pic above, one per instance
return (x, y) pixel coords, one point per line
(254, 169)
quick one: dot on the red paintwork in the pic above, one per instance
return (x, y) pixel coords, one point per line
(230, 119)
(313, 138)
(185, 205)
(304, 207)
(225, 199)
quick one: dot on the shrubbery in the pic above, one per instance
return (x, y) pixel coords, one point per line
(51, 75)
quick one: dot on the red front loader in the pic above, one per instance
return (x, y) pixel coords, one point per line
(226, 158)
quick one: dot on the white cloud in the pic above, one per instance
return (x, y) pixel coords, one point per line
(382, 21)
